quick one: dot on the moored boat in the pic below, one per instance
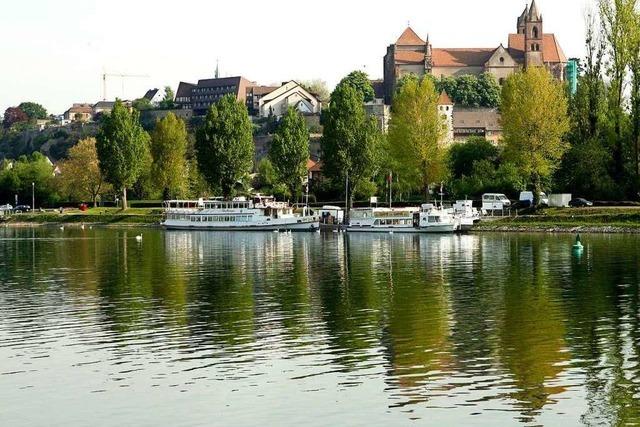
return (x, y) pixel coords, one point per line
(426, 219)
(465, 213)
(260, 213)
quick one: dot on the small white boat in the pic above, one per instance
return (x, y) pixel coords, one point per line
(465, 213)
(426, 219)
(261, 213)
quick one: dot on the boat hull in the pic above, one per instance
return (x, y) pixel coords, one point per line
(440, 228)
(304, 225)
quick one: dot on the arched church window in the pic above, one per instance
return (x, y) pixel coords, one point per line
(534, 32)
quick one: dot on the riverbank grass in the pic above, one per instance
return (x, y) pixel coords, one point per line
(596, 219)
(91, 216)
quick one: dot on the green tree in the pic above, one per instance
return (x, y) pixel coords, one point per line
(167, 101)
(17, 180)
(224, 144)
(416, 131)
(359, 80)
(488, 90)
(617, 23)
(33, 110)
(80, 173)
(289, 151)
(351, 140)
(142, 104)
(168, 151)
(317, 87)
(122, 146)
(534, 122)
(463, 155)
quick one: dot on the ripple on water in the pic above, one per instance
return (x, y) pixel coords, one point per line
(274, 326)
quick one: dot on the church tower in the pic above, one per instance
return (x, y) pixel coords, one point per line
(533, 37)
(521, 20)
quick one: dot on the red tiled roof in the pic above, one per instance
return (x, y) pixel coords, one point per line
(313, 166)
(409, 38)
(461, 57)
(551, 50)
(444, 99)
(409, 57)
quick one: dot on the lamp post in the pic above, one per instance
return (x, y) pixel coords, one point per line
(33, 197)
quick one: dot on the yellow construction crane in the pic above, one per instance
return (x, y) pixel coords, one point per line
(122, 77)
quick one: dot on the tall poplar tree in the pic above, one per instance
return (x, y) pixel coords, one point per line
(224, 144)
(122, 145)
(534, 122)
(289, 151)
(168, 150)
(416, 133)
(351, 140)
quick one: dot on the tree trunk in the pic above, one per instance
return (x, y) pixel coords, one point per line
(536, 190)
(95, 200)
(124, 198)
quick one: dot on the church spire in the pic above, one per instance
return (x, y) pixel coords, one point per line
(534, 15)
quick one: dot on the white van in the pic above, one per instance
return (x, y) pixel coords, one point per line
(495, 201)
(526, 198)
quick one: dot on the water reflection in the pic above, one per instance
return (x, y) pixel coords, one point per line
(513, 327)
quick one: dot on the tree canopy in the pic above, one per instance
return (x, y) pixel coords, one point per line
(168, 150)
(351, 142)
(416, 133)
(224, 144)
(167, 100)
(534, 121)
(13, 115)
(463, 155)
(33, 110)
(318, 87)
(80, 173)
(359, 80)
(122, 146)
(289, 151)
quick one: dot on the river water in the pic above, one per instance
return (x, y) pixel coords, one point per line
(205, 328)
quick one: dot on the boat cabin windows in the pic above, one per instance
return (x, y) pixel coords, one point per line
(213, 218)
(393, 221)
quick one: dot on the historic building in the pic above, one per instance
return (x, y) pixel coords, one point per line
(529, 46)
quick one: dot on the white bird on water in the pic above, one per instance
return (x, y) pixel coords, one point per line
(139, 237)
(82, 226)
(62, 227)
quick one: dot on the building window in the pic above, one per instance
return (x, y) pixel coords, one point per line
(534, 32)
(502, 60)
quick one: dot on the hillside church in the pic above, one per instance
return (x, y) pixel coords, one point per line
(529, 46)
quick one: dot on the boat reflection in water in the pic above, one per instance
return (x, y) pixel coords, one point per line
(372, 328)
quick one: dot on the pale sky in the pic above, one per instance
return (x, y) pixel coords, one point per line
(54, 52)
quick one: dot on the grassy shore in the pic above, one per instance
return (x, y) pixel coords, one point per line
(596, 220)
(104, 216)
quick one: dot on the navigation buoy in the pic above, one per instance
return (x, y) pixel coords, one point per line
(577, 246)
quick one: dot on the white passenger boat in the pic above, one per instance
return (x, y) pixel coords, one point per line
(426, 219)
(261, 213)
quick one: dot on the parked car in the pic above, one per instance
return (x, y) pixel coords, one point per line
(22, 208)
(526, 199)
(580, 203)
(495, 201)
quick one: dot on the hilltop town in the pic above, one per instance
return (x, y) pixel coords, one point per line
(467, 108)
